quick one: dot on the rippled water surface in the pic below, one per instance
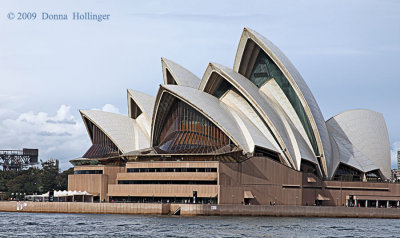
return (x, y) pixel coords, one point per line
(100, 225)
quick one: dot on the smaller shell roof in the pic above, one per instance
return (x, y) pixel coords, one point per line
(215, 110)
(119, 128)
(144, 101)
(181, 75)
(364, 133)
(349, 155)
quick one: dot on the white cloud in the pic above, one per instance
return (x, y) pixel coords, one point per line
(110, 108)
(61, 136)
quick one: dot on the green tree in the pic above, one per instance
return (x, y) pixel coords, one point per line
(48, 176)
(33, 180)
(62, 179)
(27, 182)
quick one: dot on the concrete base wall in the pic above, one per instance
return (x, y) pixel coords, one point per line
(200, 209)
(78, 207)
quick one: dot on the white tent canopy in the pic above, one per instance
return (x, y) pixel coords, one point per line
(63, 196)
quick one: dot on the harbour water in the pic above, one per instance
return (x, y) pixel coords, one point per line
(106, 225)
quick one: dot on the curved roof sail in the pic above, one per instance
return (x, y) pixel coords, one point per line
(175, 74)
(140, 108)
(254, 48)
(364, 134)
(217, 112)
(258, 102)
(123, 131)
(140, 103)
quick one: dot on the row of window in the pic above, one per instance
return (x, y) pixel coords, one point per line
(158, 170)
(88, 172)
(166, 182)
(201, 200)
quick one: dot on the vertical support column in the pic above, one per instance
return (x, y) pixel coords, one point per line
(377, 203)
(387, 203)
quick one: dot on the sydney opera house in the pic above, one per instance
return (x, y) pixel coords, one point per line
(253, 133)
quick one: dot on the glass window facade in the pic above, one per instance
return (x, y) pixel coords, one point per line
(185, 130)
(88, 172)
(166, 182)
(102, 146)
(347, 173)
(373, 176)
(265, 69)
(222, 88)
(170, 170)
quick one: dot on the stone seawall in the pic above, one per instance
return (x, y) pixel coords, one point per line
(198, 209)
(79, 207)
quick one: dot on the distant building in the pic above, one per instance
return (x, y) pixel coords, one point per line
(398, 160)
(53, 162)
(18, 159)
(395, 175)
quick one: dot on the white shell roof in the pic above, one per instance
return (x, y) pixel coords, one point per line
(366, 131)
(123, 131)
(181, 75)
(261, 135)
(251, 92)
(144, 101)
(306, 152)
(346, 153)
(300, 142)
(295, 79)
(219, 113)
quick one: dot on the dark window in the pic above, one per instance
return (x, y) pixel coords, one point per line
(262, 152)
(373, 176)
(135, 110)
(178, 170)
(222, 88)
(166, 182)
(174, 199)
(347, 173)
(170, 79)
(88, 172)
(308, 167)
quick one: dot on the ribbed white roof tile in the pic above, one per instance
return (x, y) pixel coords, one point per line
(181, 75)
(365, 131)
(144, 101)
(261, 135)
(120, 129)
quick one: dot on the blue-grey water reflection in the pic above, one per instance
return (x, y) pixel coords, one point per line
(100, 225)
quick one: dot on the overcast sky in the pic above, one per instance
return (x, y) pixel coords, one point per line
(348, 52)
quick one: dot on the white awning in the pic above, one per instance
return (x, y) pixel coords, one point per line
(322, 198)
(311, 180)
(248, 194)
